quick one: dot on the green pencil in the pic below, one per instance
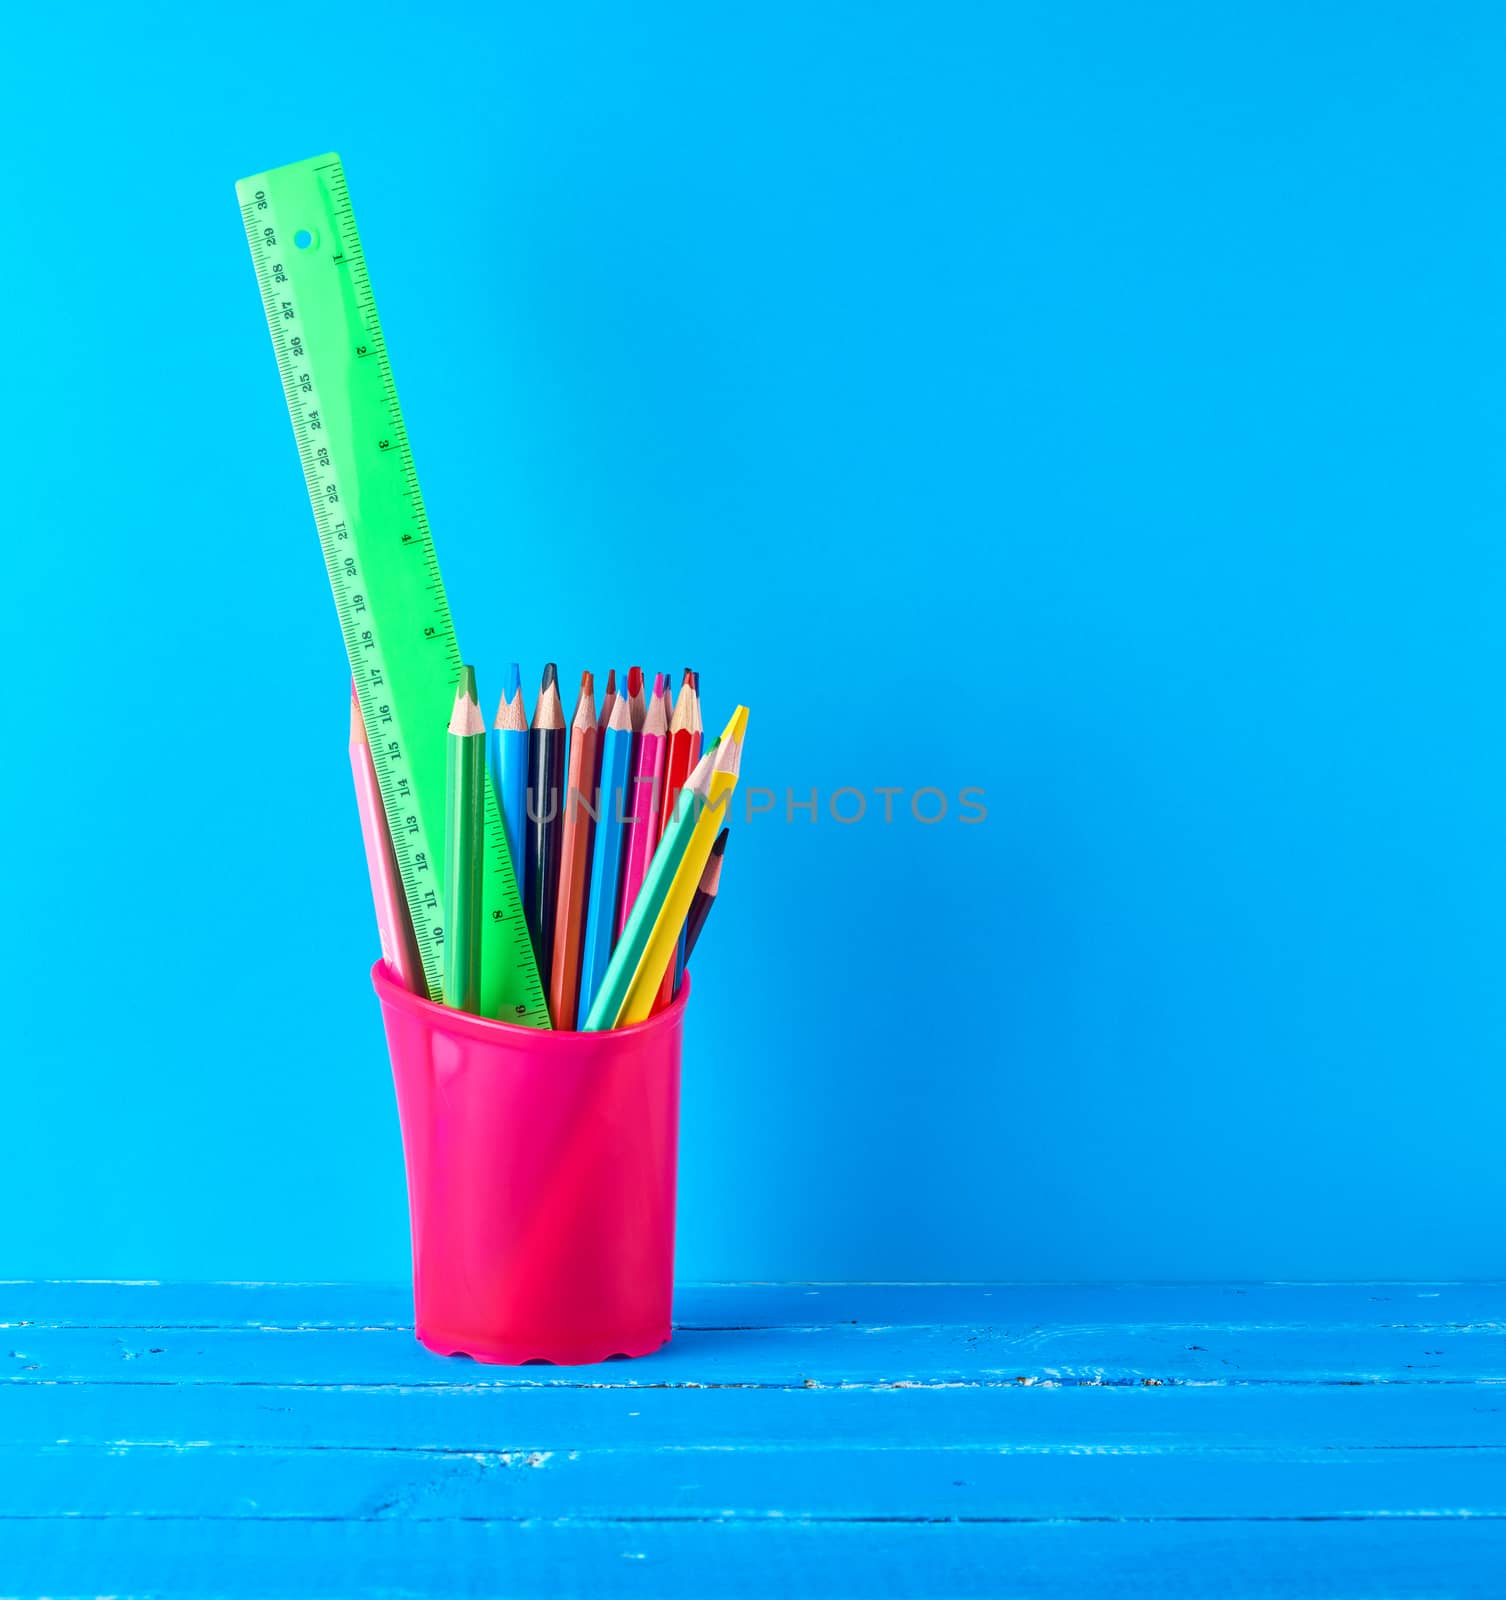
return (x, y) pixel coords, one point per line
(462, 848)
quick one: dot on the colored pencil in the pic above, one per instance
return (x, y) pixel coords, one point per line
(667, 940)
(608, 700)
(677, 763)
(466, 793)
(705, 897)
(635, 697)
(575, 858)
(633, 941)
(507, 749)
(682, 947)
(643, 807)
(607, 851)
(647, 946)
(545, 823)
(632, 692)
(394, 925)
(684, 752)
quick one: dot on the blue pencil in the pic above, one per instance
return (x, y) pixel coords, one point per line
(606, 852)
(507, 752)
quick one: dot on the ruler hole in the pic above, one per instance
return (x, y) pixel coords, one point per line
(303, 239)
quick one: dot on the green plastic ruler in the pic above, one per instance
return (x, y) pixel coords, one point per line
(380, 555)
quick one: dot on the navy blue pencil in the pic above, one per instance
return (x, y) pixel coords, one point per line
(545, 824)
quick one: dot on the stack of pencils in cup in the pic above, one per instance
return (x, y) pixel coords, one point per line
(613, 824)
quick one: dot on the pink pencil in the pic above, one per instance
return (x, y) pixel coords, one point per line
(394, 927)
(644, 802)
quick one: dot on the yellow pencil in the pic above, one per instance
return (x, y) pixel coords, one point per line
(638, 1003)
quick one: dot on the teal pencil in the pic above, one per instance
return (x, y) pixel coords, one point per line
(613, 805)
(507, 753)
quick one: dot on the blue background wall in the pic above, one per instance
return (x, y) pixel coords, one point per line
(1098, 404)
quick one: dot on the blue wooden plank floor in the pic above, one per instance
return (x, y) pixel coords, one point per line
(283, 1440)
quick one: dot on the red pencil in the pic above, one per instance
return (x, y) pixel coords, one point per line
(635, 697)
(677, 766)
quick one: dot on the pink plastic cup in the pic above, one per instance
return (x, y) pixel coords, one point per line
(541, 1180)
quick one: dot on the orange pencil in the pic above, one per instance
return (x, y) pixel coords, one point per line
(575, 858)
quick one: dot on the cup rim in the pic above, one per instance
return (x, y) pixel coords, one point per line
(391, 993)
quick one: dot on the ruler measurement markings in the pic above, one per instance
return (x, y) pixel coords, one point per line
(390, 419)
(521, 998)
(305, 404)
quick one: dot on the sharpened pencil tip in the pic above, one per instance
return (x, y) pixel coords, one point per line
(635, 680)
(510, 713)
(612, 681)
(700, 773)
(711, 877)
(514, 681)
(551, 675)
(729, 755)
(466, 717)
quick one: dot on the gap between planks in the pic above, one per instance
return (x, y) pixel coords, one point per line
(774, 1518)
